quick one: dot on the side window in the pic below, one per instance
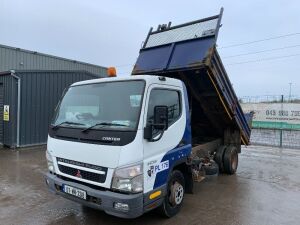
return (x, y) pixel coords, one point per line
(170, 98)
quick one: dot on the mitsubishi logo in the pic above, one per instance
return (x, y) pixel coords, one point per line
(78, 174)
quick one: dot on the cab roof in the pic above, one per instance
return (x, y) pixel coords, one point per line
(147, 78)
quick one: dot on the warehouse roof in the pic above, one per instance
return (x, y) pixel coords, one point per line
(20, 59)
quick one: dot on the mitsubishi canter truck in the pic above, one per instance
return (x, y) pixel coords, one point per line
(127, 145)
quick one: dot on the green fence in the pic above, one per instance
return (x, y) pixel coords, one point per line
(275, 125)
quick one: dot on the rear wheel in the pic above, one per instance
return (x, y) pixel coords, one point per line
(230, 160)
(219, 158)
(175, 194)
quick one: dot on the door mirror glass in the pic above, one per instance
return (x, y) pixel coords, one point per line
(160, 117)
(159, 125)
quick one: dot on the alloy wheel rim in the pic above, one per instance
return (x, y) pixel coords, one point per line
(234, 162)
(176, 194)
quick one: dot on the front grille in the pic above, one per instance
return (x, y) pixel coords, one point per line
(81, 164)
(100, 178)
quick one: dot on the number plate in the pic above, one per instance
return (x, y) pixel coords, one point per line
(74, 191)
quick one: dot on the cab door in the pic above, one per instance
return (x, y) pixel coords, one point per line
(156, 160)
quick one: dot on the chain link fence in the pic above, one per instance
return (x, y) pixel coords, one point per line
(270, 99)
(278, 138)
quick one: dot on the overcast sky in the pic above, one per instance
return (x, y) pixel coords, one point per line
(110, 33)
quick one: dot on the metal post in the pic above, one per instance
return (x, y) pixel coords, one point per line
(19, 106)
(290, 93)
(280, 143)
(280, 140)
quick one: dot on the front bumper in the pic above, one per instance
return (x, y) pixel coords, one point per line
(99, 199)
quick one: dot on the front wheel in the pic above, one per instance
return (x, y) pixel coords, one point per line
(175, 193)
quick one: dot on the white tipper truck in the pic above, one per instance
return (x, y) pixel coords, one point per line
(127, 145)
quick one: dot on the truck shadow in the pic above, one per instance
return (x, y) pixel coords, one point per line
(200, 201)
(93, 216)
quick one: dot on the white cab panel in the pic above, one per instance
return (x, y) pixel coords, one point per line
(100, 155)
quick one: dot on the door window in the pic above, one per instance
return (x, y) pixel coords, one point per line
(169, 98)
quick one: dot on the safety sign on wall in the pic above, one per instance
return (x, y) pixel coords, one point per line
(6, 113)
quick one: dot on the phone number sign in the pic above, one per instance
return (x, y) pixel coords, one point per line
(274, 115)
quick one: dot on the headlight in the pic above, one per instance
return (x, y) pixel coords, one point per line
(50, 162)
(129, 179)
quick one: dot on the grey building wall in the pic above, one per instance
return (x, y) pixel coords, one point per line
(39, 95)
(10, 98)
(20, 59)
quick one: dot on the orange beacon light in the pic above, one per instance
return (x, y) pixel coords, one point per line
(111, 72)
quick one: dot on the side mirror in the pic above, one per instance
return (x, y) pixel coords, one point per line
(160, 123)
(160, 117)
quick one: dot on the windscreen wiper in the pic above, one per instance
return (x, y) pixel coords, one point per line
(103, 124)
(65, 122)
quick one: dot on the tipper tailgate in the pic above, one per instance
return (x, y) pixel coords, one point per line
(188, 52)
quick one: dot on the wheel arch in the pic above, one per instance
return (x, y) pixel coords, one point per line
(185, 169)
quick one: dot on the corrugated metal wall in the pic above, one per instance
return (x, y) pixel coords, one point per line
(10, 98)
(40, 93)
(19, 59)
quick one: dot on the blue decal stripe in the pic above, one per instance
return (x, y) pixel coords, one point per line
(187, 136)
(172, 156)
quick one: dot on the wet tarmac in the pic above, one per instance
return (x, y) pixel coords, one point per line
(265, 190)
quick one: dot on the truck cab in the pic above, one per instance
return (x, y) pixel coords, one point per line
(113, 142)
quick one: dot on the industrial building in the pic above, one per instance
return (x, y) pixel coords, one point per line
(31, 85)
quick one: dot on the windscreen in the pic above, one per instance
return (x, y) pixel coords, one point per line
(111, 105)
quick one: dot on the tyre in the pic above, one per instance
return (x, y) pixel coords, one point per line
(219, 158)
(211, 169)
(175, 194)
(230, 160)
